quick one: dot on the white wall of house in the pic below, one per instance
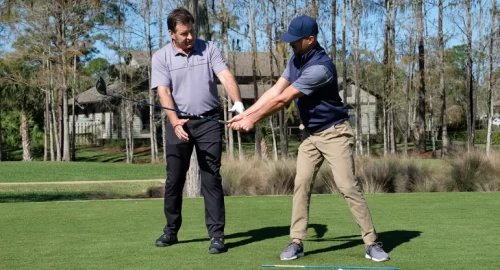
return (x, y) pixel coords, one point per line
(101, 125)
(368, 110)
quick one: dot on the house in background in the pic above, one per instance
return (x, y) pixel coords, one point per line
(369, 102)
(100, 117)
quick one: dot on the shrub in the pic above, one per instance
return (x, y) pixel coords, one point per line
(472, 172)
(281, 177)
(462, 172)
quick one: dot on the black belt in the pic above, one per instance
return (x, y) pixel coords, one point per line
(212, 112)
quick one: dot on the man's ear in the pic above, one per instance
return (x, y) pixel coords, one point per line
(171, 33)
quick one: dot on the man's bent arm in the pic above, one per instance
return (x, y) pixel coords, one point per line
(227, 79)
(166, 100)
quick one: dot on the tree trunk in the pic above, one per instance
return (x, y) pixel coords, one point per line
(431, 97)
(55, 131)
(275, 148)
(271, 68)
(421, 91)
(229, 135)
(479, 61)
(163, 115)
(471, 120)
(192, 187)
(146, 17)
(163, 135)
(369, 130)
(50, 126)
(490, 77)
(356, 22)
(241, 155)
(253, 42)
(392, 48)
(334, 32)
(344, 57)
(59, 125)
(200, 13)
(46, 130)
(1, 136)
(199, 10)
(314, 9)
(282, 114)
(444, 125)
(66, 143)
(25, 134)
(61, 29)
(160, 23)
(73, 117)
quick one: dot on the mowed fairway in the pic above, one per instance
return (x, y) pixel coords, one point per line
(421, 231)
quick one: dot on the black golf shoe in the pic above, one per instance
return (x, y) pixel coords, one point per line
(216, 245)
(166, 240)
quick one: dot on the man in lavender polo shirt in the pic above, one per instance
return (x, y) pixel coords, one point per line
(183, 73)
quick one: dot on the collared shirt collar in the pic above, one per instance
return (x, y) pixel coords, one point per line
(307, 56)
(196, 48)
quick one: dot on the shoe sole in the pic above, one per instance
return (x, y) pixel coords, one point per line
(163, 244)
(294, 257)
(375, 259)
(215, 251)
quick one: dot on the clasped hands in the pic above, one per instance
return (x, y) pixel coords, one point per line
(240, 122)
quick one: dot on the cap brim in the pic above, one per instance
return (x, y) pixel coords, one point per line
(289, 38)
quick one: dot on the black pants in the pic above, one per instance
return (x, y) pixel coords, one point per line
(206, 138)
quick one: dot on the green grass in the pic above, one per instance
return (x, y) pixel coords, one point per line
(77, 171)
(421, 231)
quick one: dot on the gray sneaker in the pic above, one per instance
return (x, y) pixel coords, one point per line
(376, 253)
(292, 252)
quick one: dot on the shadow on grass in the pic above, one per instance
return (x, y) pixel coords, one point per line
(260, 234)
(390, 240)
(60, 196)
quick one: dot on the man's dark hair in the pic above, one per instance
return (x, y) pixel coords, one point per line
(179, 15)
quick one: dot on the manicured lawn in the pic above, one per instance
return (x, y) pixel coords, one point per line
(421, 231)
(77, 171)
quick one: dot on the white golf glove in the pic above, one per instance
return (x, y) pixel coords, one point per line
(237, 108)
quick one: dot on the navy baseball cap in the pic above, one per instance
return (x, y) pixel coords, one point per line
(300, 27)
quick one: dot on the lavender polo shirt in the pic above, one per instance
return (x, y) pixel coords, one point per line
(191, 77)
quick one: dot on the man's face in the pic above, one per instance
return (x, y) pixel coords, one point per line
(302, 46)
(183, 36)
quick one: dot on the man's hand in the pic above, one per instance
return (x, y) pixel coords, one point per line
(241, 123)
(179, 130)
(237, 108)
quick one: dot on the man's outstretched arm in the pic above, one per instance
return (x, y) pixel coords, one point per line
(263, 108)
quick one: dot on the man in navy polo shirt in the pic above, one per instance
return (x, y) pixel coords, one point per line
(183, 72)
(311, 80)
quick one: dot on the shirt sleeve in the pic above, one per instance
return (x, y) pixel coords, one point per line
(160, 75)
(313, 78)
(216, 58)
(286, 74)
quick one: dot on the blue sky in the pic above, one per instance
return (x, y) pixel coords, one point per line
(371, 35)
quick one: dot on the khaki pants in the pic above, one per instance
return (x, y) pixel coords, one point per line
(334, 144)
